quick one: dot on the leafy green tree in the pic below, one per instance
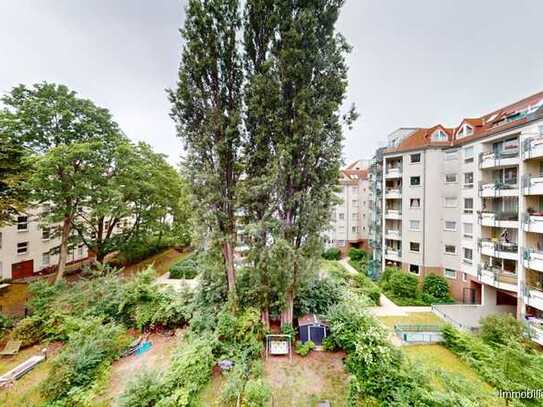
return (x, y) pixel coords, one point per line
(13, 172)
(207, 109)
(68, 137)
(297, 83)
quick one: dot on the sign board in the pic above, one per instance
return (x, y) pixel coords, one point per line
(279, 347)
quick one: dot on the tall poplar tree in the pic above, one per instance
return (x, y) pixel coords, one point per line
(297, 85)
(207, 107)
(13, 172)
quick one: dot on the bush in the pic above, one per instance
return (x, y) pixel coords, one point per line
(29, 330)
(145, 390)
(88, 350)
(185, 269)
(5, 324)
(333, 253)
(436, 286)
(305, 348)
(257, 393)
(357, 254)
(502, 329)
(403, 285)
(368, 288)
(316, 296)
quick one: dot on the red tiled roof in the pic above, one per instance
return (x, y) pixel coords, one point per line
(482, 126)
(351, 172)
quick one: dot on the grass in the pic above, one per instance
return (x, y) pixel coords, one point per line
(161, 262)
(426, 318)
(437, 356)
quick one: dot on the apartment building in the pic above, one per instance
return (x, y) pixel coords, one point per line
(27, 248)
(350, 218)
(467, 203)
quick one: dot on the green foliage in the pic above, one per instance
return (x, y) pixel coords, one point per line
(186, 269)
(144, 390)
(257, 393)
(303, 349)
(502, 329)
(288, 329)
(29, 330)
(435, 289)
(509, 366)
(403, 285)
(90, 348)
(316, 296)
(240, 335)
(5, 324)
(332, 253)
(357, 254)
(366, 287)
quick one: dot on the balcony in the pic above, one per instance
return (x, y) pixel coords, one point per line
(533, 296)
(393, 193)
(393, 234)
(532, 185)
(498, 278)
(393, 214)
(533, 222)
(536, 331)
(393, 254)
(499, 159)
(533, 259)
(499, 249)
(499, 189)
(393, 172)
(533, 147)
(499, 219)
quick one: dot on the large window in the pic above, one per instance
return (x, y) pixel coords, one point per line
(449, 273)
(414, 225)
(439, 135)
(450, 202)
(414, 246)
(468, 180)
(468, 155)
(450, 249)
(450, 178)
(22, 223)
(468, 230)
(414, 268)
(450, 225)
(415, 158)
(468, 255)
(22, 248)
(45, 259)
(468, 205)
(414, 181)
(414, 203)
(450, 155)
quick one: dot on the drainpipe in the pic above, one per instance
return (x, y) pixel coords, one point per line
(424, 215)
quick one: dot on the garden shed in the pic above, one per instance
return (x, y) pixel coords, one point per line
(311, 328)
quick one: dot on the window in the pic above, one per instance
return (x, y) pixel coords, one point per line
(439, 135)
(340, 242)
(468, 255)
(22, 223)
(450, 155)
(415, 181)
(354, 229)
(415, 158)
(449, 273)
(414, 203)
(355, 203)
(355, 190)
(468, 230)
(468, 155)
(450, 178)
(22, 248)
(464, 277)
(45, 259)
(468, 205)
(450, 225)
(414, 268)
(450, 249)
(414, 224)
(414, 246)
(341, 216)
(46, 233)
(468, 180)
(355, 215)
(450, 203)
(0, 241)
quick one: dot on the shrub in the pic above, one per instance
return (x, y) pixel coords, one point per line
(145, 390)
(502, 329)
(316, 296)
(368, 288)
(257, 393)
(303, 349)
(403, 285)
(186, 269)
(357, 254)
(436, 286)
(29, 330)
(90, 348)
(5, 324)
(333, 253)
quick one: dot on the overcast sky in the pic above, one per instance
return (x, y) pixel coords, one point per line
(414, 63)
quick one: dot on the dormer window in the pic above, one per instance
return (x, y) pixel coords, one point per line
(439, 135)
(468, 130)
(465, 131)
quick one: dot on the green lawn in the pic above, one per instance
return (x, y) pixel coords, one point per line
(426, 318)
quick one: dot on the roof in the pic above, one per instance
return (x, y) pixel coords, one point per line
(355, 171)
(499, 120)
(310, 319)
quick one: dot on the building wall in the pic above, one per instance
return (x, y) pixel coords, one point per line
(40, 249)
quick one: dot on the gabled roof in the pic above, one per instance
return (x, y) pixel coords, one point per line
(355, 171)
(491, 123)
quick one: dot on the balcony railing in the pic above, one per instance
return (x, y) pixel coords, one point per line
(498, 246)
(497, 275)
(393, 213)
(393, 233)
(496, 187)
(495, 159)
(488, 218)
(532, 147)
(532, 185)
(393, 252)
(394, 171)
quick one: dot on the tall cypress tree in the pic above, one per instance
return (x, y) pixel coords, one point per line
(207, 109)
(297, 84)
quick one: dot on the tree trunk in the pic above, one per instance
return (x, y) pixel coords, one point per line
(63, 254)
(287, 315)
(265, 318)
(228, 254)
